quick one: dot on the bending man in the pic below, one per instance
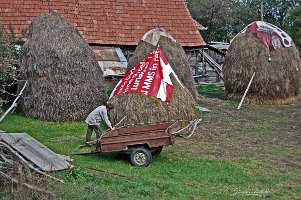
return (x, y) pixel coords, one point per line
(94, 119)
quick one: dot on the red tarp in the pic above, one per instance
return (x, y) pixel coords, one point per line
(271, 36)
(150, 77)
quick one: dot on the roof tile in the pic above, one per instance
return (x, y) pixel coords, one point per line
(120, 22)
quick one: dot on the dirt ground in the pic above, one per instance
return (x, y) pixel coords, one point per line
(270, 134)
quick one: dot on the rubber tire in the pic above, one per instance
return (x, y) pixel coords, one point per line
(157, 151)
(141, 157)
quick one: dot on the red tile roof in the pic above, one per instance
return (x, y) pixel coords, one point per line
(121, 22)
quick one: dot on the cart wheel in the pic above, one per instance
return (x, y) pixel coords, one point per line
(141, 157)
(157, 151)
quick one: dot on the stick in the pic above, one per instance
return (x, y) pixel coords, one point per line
(87, 153)
(6, 160)
(192, 124)
(120, 121)
(11, 162)
(243, 97)
(25, 184)
(28, 164)
(14, 103)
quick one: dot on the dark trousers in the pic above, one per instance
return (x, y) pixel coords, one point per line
(90, 130)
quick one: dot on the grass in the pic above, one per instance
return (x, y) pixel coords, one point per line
(210, 89)
(175, 174)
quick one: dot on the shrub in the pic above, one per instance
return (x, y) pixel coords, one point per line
(9, 65)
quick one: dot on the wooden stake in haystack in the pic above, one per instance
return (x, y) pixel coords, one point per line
(270, 52)
(64, 78)
(151, 93)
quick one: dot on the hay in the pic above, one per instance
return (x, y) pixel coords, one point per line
(275, 82)
(174, 54)
(64, 79)
(141, 109)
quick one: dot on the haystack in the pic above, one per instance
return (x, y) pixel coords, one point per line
(275, 82)
(64, 79)
(172, 50)
(141, 109)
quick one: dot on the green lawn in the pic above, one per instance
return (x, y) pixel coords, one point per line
(209, 89)
(178, 173)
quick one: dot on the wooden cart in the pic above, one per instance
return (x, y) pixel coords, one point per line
(141, 142)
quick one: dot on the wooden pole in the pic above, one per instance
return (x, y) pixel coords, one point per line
(14, 103)
(120, 121)
(243, 97)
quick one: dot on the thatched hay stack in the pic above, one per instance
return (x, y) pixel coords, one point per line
(64, 79)
(275, 82)
(175, 55)
(141, 109)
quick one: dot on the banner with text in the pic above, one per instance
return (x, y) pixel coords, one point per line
(149, 77)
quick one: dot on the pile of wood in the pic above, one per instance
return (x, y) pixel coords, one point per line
(19, 179)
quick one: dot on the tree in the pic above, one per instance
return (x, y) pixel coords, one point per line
(273, 11)
(285, 14)
(225, 18)
(294, 26)
(8, 65)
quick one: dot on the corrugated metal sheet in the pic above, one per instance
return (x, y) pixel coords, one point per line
(111, 60)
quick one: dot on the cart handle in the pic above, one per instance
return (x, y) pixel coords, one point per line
(174, 126)
(191, 128)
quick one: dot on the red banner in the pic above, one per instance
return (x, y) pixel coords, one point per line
(149, 77)
(270, 35)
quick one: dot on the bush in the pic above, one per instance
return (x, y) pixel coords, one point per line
(9, 65)
(108, 89)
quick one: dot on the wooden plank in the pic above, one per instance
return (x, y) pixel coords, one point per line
(35, 152)
(43, 149)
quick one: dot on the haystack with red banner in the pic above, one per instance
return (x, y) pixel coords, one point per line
(151, 93)
(173, 52)
(270, 35)
(266, 50)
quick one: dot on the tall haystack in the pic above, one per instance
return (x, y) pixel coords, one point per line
(172, 50)
(151, 93)
(64, 79)
(277, 71)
